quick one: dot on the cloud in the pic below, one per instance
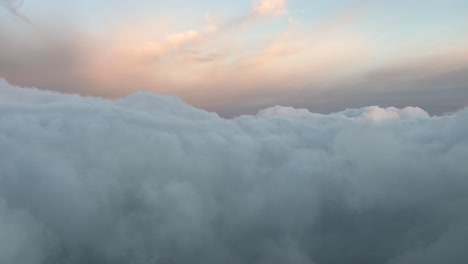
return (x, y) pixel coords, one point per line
(270, 7)
(434, 79)
(150, 179)
(13, 6)
(224, 65)
(191, 63)
(371, 113)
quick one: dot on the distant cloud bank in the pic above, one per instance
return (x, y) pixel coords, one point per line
(150, 179)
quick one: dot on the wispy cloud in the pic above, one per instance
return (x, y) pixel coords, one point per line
(270, 7)
(13, 6)
(223, 64)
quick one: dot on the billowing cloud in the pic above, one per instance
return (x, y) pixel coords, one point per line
(150, 179)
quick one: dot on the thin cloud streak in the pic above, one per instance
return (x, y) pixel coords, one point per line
(13, 6)
(158, 63)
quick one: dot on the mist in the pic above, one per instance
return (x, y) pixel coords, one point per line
(151, 179)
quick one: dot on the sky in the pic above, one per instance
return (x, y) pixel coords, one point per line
(237, 57)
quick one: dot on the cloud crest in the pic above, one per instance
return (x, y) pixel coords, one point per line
(150, 179)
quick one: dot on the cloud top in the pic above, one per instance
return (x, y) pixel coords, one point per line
(150, 179)
(371, 113)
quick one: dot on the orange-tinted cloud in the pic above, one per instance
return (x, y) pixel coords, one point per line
(218, 65)
(270, 7)
(215, 60)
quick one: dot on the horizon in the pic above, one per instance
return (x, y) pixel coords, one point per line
(238, 58)
(272, 110)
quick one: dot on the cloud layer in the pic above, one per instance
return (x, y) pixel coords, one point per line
(150, 179)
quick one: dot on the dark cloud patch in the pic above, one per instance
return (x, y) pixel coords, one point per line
(52, 59)
(66, 60)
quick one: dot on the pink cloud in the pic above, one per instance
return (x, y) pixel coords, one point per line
(211, 65)
(270, 7)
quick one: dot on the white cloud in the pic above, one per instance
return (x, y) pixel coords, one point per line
(149, 179)
(376, 113)
(371, 113)
(283, 111)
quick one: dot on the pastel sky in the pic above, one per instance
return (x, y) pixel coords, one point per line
(236, 57)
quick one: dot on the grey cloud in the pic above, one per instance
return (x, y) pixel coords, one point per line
(436, 87)
(63, 59)
(13, 6)
(150, 179)
(23, 56)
